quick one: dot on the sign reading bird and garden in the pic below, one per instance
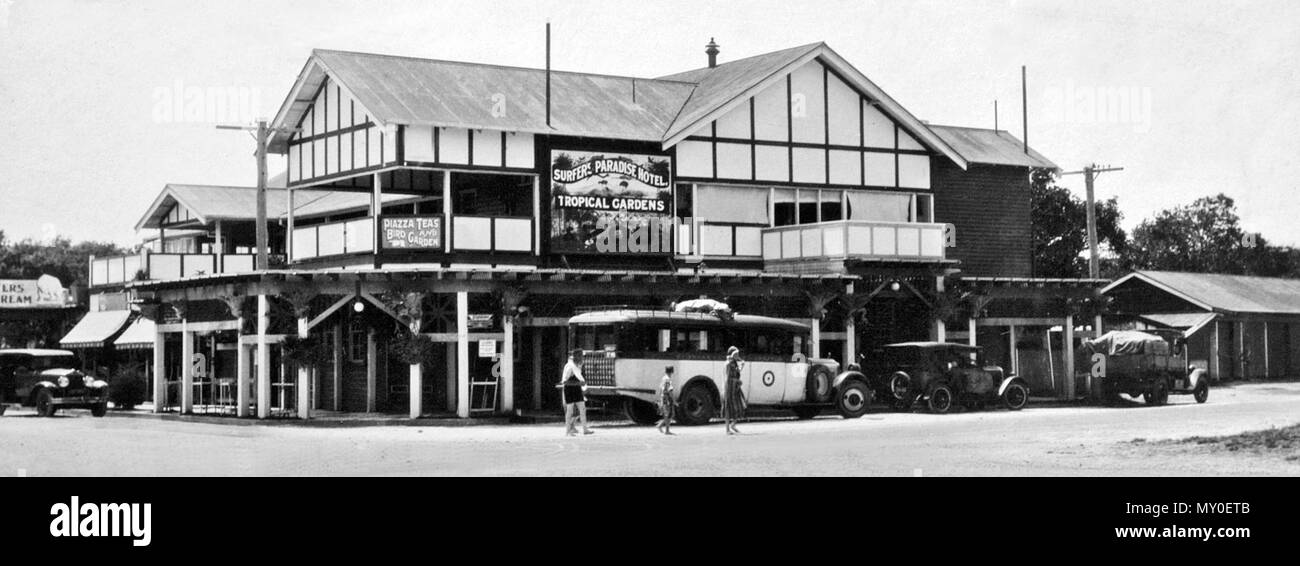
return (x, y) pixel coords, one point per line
(607, 203)
(412, 232)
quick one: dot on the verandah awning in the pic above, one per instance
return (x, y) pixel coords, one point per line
(140, 335)
(95, 329)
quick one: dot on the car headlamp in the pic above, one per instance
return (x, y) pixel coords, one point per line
(88, 381)
(63, 381)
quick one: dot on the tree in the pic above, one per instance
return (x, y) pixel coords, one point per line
(1060, 230)
(29, 259)
(1205, 237)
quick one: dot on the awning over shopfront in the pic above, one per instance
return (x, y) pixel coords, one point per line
(95, 329)
(140, 335)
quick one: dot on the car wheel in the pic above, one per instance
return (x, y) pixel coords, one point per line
(1158, 394)
(900, 385)
(1015, 397)
(99, 410)
(45, 403)
(940, 399)
(696, 406)
(853, 399)
(805, 412)
(1202, 392)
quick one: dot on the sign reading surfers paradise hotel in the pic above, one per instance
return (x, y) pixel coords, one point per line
(611, 203)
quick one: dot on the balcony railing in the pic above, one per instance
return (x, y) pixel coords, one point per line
(334, 239)
(854, 239)
(148, 265)
(468, 234)
(491, 234)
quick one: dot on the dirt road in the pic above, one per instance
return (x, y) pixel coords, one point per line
(1080, 441)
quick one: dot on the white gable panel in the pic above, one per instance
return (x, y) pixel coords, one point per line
(318, 113)
(879, 169)
(694, 159)
(735, 124)
(733, 161)
(846, 167)
(906, 141)
(809, 165)
(418, 143)
(771, 122)
(878, 130)
(808, 103)
(487, 148)
(771, 163)
(519, 150)
(844, 110)
(453, 146)
(914, 171)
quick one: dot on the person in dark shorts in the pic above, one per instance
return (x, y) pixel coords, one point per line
(573, 387)
(666, 404)
(733, 398)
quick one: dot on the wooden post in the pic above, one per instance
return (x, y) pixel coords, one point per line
(815, 338)
(1215, 369)
(537, 368)
(288, 229)
(187, 368)
(159, 372)
(416, 397)
(1267, 366)
(1015, 351)
(1069, 357)
(241, 378)
(537, 216)
(1241, 351)
(850, 331)
(450, 378)
(376, 212)
(304, 377)
(507, 353)
(372, 369)
(970, 330)
(220, 250)
(446, 211)
(940, 327)
(462, 354)
(263, 358)
(338, 365)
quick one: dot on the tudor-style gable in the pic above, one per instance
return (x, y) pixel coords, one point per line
(808, 126)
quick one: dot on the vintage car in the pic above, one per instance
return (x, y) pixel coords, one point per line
(49, 380)
(941, 374)
(1152, 364)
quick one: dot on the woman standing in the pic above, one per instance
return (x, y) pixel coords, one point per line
(733, 403)
(573, 386)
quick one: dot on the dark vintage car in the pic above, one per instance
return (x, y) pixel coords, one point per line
(941, 374)
(49, 380)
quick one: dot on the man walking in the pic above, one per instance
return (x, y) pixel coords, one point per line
(573, 387)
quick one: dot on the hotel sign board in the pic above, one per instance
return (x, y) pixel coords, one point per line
(412, 232)
(611, 203)
(45, 292)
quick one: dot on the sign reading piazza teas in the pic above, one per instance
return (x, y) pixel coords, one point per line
(412, 232)
(611, 203)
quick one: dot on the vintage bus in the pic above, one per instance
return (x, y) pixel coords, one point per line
(625, 351)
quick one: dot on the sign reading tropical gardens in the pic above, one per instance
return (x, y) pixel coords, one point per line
(611, 203)
(412, 232)
(44, 292)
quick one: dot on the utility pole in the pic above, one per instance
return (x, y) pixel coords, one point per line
(262, 135)
(1090, 173)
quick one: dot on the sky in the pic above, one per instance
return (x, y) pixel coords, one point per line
(1191, 98)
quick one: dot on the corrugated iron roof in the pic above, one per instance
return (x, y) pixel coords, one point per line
(209, 203)
(412, 91)
(1224, 293)
(991, 147)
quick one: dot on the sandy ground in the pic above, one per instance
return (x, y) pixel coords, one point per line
(1071, 441)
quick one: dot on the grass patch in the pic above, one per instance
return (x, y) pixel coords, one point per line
(1283, 441)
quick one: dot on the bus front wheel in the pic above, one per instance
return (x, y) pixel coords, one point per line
(695, 407)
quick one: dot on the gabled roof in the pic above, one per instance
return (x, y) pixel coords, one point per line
(1223, 293)
(411, 91)
(991, 147)
(427, 92)
(726, 86)
(210, 203)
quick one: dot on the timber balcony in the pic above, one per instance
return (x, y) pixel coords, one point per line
(824, 244)
(149, 266)
(468, 233)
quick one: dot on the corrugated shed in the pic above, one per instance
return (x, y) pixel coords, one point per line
(991, 147)
(1226, 293)
(412, 91)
